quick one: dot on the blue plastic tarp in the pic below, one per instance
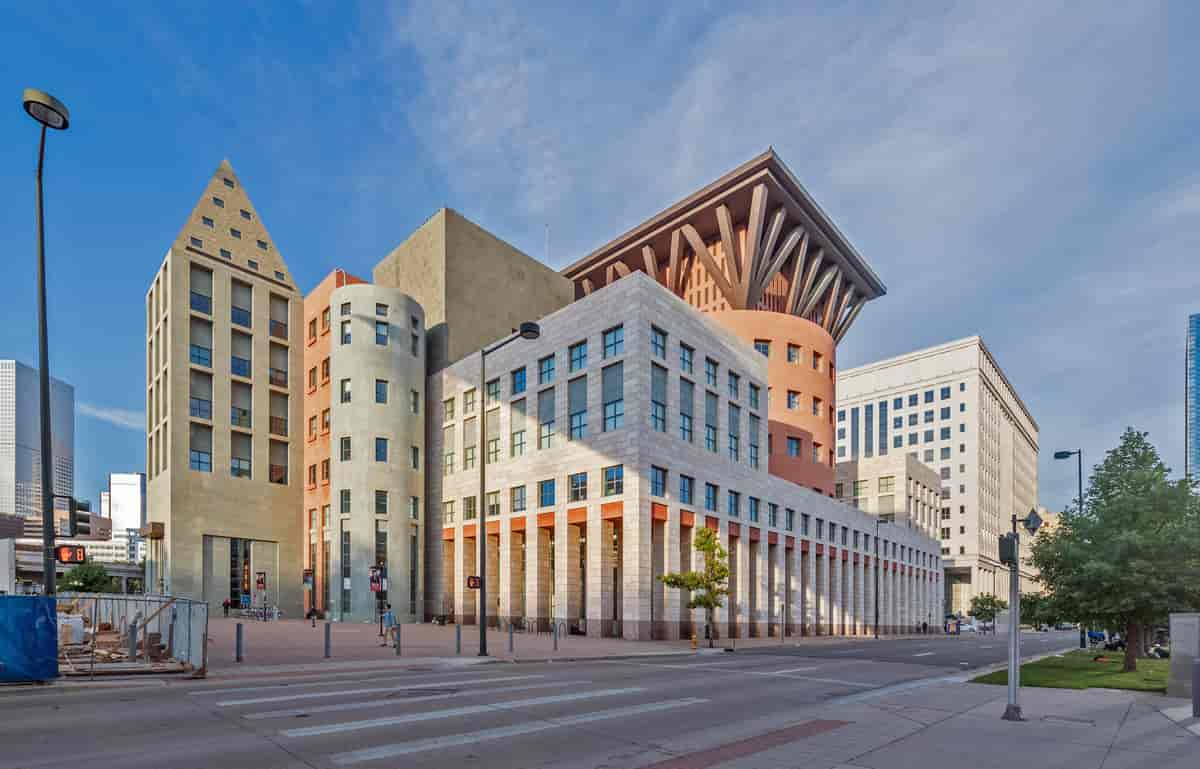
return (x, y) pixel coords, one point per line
(28, 638)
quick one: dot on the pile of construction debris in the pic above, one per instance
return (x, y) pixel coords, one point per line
(88, 647)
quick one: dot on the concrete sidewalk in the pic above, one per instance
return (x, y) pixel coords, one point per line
(958, 725)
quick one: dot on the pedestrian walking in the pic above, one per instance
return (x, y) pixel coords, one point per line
(312, 615)
(924, 628)
(389, 625)
(225, 606)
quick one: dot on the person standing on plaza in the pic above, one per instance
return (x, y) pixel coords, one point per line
(389, 625)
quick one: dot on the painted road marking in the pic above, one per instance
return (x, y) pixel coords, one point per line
(750, 746)
(838, 681)
(330, 679)
(468, 738)
(925, 654)
(795, 670)
(386, 701)
(371, 690)
(469, 710)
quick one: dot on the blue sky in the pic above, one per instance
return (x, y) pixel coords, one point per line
(1026, 171)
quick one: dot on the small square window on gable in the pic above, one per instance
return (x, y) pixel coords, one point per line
(228, 182)
(245, 214)
(263, 245)
(218, 202)
(207, 221)
(252, 264)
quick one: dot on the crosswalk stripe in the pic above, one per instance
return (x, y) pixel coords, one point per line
(332, 679)
(467, 738)
(838, 681)
(925, 654)
(469, 710)
(384, 701)
(795, 670)
(371, 690)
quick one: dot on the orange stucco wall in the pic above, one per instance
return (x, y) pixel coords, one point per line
(317, 335)
(802, 377)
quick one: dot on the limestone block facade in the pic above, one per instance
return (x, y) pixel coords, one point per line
(633, 420)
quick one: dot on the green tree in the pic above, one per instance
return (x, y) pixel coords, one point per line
(986, 606)
(89, 577)
(1132, 555)
(1036, 610)
(708, 588)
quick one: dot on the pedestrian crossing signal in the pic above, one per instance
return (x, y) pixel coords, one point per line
(70, 554)
(474, 583)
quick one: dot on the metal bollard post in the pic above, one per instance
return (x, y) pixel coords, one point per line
(328, 639)
(397, 626)
(510, 638)
(1196, 687)
(555, 634)
(457, 638)
(237, 653)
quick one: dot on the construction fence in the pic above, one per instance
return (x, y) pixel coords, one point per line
(109, 633)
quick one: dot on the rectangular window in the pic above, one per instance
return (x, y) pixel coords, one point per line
(517, 499)
(710, 372)
(469, 401)
(546, 370)
(752, 509)
(754, 395)
(804, 520)
(929, 396)
(381, 502)
(492, 503)
(928, 436)
(381, 332)
(414, 402)
(577, 356)
(345, 390)
(414, 508)
(614, 341)
(345, 332)
(658, 481)
(546, 493)
(945, 413)
(414, 457)
(448, 410)
(344, 448)
(944, 434)
(793, 446)
(344, 501)
(381, 449)
(772, 514)
(763, 347)
(516, 419)
(816, 361)
(612, 387)
(686, 396)
(658, 398)
(945, 393)
(381, 391)
(614, 480)
(658, 342)
(793, 353)
(469, 504)
(546, 418)
(710, 497)
(577, 487)
(793, 400)
(897, 441)
(577, 408)
(752, 429)
(734, 508)
(491, 392)
(735, 438)
(928, 416)
(686, 485)
(789, 519)
(913, 400)
(518, 381)
(816, 406)
(414, 345)
(710, 421)
(685, 358)
(734, 384)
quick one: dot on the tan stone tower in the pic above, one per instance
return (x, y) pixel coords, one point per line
(223, 408)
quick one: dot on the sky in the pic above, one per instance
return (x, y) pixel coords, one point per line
(1029, 172)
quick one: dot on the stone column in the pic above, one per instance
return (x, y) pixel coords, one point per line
(744, 577)
(821, 616)
(562, 549)
(852, 587)
(634, 568)
(599, 578)
(808, 573)
(468, 556)
(449, 597)
(515, 587)
(760, 552)
(868, 595)
(574, 579)
(795, 593)
(504, 576)
(781, 597)
(673, 610)
(658, 563)
(836, 607)
(493, 578)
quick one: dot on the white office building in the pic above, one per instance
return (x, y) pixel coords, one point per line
(952, 406)
(20, 438)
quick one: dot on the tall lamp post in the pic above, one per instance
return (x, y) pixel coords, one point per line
(51, 113)
(1010, 552)
(1067, 455)
(526, 330)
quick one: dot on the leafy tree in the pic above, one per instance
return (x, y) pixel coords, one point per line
(1132, 555)
(707, 588)
(1036, 610)
(88, 577)
(986, 606)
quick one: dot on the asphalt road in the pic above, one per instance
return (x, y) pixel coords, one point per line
(643, 712)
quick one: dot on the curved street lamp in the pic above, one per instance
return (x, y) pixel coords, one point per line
(527, 330)
(50, 113)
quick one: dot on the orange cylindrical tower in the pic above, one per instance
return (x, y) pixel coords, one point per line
(800, 380)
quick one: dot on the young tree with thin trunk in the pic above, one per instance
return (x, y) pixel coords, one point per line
(1132, 555)
(707, 588)
(986, 606)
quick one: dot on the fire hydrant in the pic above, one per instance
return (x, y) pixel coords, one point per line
(693, 641)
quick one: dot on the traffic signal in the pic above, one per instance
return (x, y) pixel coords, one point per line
(70, 554)
(1008, 549)
(79, 519)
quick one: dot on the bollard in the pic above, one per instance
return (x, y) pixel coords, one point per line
(328, 639)
(554, 632)
(237, 646)
(1196, 687)
(457, 638)
(510, 638)
(397, 626)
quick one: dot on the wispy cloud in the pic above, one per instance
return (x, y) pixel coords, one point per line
(123, 418)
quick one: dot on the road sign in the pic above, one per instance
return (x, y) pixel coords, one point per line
(70, 554)
(260, 580)
(474, 583)
(308, 579)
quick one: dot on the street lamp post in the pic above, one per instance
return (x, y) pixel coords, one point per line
(1078, 453)
(526, 331)
(51, 113)
(1031, 523)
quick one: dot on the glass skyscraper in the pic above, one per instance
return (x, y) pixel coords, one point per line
(1191, 399)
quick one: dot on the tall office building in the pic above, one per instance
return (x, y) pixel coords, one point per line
(954, 408)
(1191, 400)
(222, 402)
(21, 439)
(126, 507)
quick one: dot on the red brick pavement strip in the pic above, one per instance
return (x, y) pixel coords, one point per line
(701, 759)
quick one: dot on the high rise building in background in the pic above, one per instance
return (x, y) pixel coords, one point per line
(126, 507)
(20, 439)
(954, 409)
(1191, 399)
(223, 391)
